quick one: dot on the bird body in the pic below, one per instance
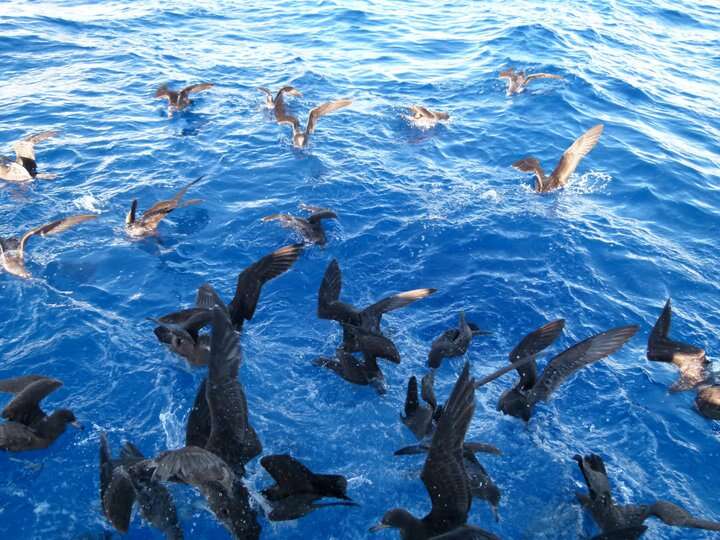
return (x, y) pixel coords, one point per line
(424, 118)
(454, 342)
(300, 137)
(309, 228)
(276, 102)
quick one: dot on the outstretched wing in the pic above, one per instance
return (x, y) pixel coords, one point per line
(531, 164)
(541, 76)
(160, 209)
(531, 345)
(54, 227)
(251, 280)
(444, 474)
(322, 110)
(329, 305)
(662, 325)
(572, 156)
(674, 515)
(39, 137)
(578, 356)
(194, 466)
(195, 88)
(396, 301)
(25, 406)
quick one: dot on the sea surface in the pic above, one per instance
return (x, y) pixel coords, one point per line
(638, 222)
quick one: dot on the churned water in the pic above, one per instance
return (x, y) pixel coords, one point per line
(640, 221)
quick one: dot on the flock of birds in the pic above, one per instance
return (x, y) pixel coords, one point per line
(220, 440)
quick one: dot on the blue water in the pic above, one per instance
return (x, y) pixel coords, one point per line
(441, 208)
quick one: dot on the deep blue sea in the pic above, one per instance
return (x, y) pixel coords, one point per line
(639, 221)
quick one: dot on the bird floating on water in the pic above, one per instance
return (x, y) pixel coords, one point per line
(24, 168)
(12, 250)
(179, 100)
(301, 138)
(517, 81)
(626, 522)
(454, 342)
(424, 118)
(297, 488)
(567, 164)
(28, 426)
(311, 227)
(147, 224)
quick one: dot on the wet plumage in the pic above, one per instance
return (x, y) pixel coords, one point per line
(309, 228)
(517, 81)
(454, 342)
(424, 118)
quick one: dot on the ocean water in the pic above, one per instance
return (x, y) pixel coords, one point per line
(639, 221)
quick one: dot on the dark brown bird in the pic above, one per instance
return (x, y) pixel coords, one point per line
(179, 99)
(359, 325)
(520, 400)
(12, 250)
(690, 360)
(24, 168)
(567, 165)
(147, 224)
(297, 488)
(444, 476)
(309, 228)
(517, 81)
(363, 373)
(454, 342)
(28, 427)
(424, 118)
(420, 419)
(626, 521)
(121, 486)
(301, 138)
(707, 401)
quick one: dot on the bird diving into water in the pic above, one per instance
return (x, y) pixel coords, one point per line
(24, 168)
(12, 250)
(567, 164)
(517, 81)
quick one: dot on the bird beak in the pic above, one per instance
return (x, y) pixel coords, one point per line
(378, 527)
(76, 425)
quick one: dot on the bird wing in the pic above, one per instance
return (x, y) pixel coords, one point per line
(396, 301)
(155, 214)
(39, 137)
(225, 356)
(18, 384)
(578, 356)
(322, 110)
(531, 164)
(118, 499)
(319, 215)
(541, 76)
(194, 466)
(288, 473)
(54, 227)
(265, 91)
(427, 390)
(329, 305)
(250, 281)
(24, 407)
(532, 344)
(411, 398)
(662, 325)
(572, 156)
(195, 88)
(444, 473)
(197, 429)
(672, 514)
(207, 298)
